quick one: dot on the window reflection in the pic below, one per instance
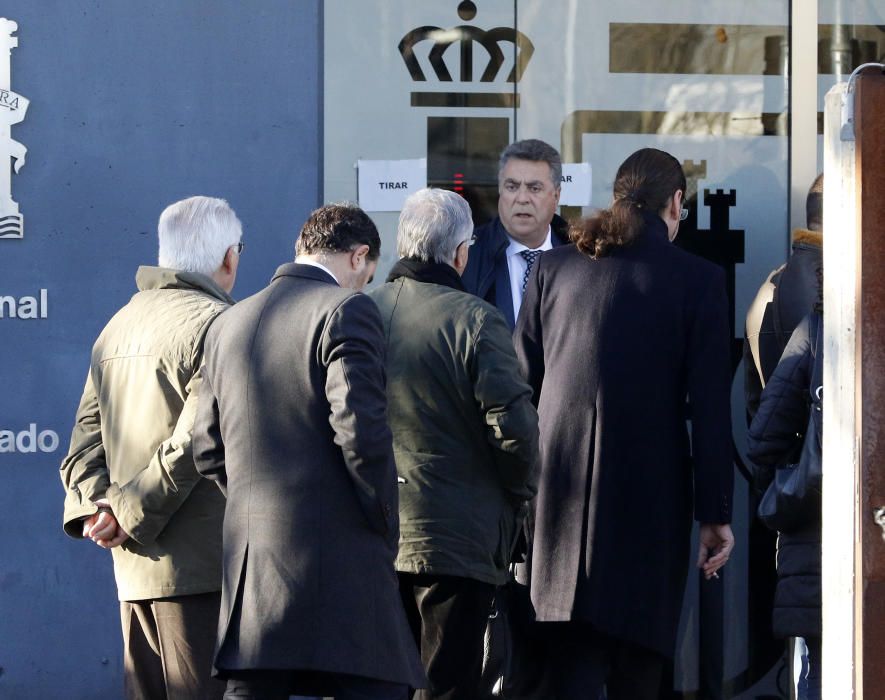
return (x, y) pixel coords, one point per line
(843, 47)
(462, 155)
(708, 49)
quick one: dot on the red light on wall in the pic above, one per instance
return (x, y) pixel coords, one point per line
(459, 183)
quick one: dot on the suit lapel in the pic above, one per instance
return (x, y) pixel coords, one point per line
(495, 251)
(503, 293)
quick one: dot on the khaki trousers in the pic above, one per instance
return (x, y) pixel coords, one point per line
(168, 648)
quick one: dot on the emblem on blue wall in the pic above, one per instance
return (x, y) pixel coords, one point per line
(12, 111)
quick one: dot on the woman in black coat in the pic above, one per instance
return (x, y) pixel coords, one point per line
(614, 333)
(794, 393)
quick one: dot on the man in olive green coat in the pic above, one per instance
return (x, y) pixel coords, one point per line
(465, 438)
(130, 481)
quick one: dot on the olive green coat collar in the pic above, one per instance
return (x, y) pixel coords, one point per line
(150, 277)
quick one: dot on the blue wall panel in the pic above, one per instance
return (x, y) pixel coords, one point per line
(133, 105)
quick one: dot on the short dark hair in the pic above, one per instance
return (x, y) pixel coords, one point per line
(338, 228)
(537, 151)
(814, 205)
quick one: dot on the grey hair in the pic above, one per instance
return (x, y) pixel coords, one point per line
(537, 151)
(195, 234)
(432, 224)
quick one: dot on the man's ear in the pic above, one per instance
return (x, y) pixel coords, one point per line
(677, 204)
(357, 255)
(673, 211)
(227, 263)
(558, 192)
(462, 252)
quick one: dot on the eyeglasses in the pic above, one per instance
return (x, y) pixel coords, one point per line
(239, 247)
(683, 213)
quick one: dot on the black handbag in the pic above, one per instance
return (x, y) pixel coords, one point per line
(513, 664)
(793, 498)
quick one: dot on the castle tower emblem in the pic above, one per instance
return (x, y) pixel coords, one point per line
(467, 36)
(12, 111)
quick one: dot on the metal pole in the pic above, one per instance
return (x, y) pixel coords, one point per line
(803, 105)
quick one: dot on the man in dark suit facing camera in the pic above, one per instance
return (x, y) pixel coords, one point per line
(293, 427)
(507, 247)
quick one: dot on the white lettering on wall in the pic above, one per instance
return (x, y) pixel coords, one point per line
(25, 307)
(28, 440)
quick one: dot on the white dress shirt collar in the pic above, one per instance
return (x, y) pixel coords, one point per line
(516, 247)
(313, 263)
(516, 266)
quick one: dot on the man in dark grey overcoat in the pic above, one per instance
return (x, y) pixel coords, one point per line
(612, 343)
(293, 426)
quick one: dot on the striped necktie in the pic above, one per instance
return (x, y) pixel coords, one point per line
(529, 256)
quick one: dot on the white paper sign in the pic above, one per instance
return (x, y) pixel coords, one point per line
(385, 184)
(577, 183)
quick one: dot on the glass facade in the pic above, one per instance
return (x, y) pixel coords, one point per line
(849, 33)
(707, 80)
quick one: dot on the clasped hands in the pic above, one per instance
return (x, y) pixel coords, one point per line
(102, 527)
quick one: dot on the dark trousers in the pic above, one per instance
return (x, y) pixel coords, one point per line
(279, 685)
(448, 616)
(583, 662)
(168, 648)
(810, 683)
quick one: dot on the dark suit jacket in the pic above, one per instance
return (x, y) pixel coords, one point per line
(487, 274)
(611, 347)
(292, 424)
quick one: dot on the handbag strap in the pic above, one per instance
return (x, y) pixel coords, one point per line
(780, 337)
(816, 383)
(816, 332)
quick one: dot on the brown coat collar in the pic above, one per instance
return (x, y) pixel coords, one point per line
(803, 235)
